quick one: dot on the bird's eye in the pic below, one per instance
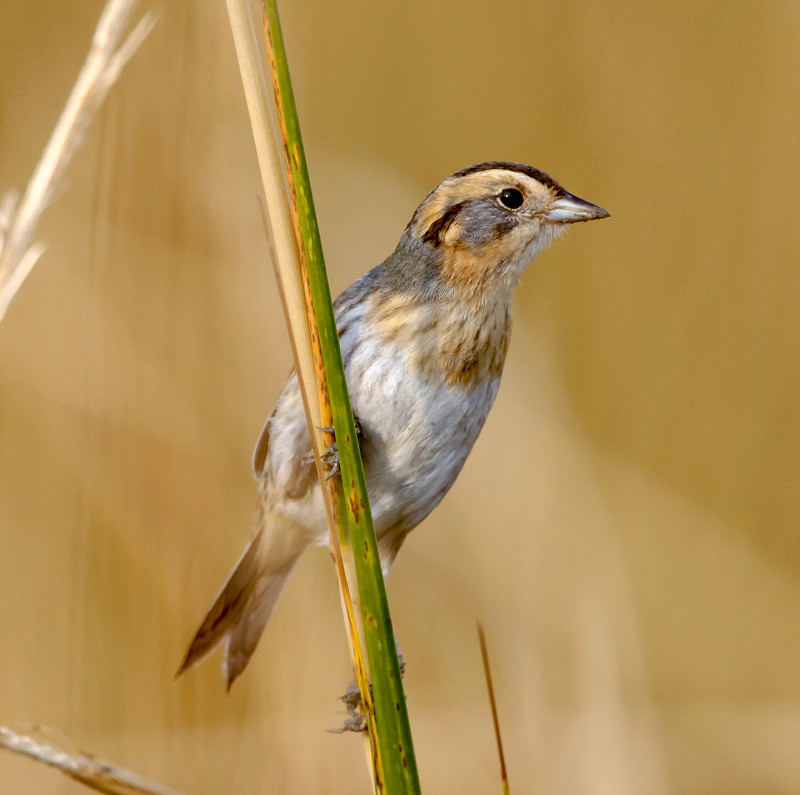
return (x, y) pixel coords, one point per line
(511, 198)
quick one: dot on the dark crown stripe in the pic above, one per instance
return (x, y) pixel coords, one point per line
(529, 171)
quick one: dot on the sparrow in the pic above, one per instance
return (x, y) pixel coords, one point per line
(424, 337)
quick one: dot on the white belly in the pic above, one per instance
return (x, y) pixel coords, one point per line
(417, 436)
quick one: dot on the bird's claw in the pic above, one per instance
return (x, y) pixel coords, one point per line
(330, 458)
(356, 720)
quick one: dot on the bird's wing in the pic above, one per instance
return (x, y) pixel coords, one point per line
(260, 452)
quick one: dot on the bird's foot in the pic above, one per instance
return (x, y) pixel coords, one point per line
(356, 720)
(330, 458)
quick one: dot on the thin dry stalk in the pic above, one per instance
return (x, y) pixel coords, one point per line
(495, 719)
(95, 773)
(279, 219)
(103, 65)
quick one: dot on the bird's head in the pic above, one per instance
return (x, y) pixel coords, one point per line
(483, 225)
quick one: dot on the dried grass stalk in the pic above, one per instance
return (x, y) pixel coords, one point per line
(293, 286)
(103, 65)
(98, 774)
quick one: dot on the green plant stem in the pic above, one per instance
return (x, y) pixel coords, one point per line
(394, 739)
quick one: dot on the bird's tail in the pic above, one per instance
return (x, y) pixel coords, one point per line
(244, 605)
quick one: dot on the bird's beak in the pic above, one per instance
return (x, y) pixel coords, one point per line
(569, 209)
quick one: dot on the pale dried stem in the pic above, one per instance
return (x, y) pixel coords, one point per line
(96, 773)
(102, 67)
(281, 228)
(279, 220)
(18, 255)
(287, 262)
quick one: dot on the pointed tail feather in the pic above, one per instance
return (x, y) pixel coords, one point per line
(243, 638)
(228, 607)
(243, 607)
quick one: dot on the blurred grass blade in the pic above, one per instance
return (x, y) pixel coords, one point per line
(97, 774)
(495, 719)
(393, 730)
(104, 62)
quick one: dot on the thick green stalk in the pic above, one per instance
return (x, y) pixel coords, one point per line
(394, 740)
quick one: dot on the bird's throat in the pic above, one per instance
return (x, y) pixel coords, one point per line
(459, 342)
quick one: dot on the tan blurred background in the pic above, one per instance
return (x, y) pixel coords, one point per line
(627, 527)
